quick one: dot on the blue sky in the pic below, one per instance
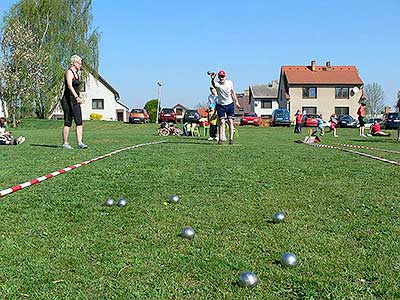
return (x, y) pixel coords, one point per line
(177, 42)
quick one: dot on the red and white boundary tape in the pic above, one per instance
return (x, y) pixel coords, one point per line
(62, 171)
(368, 148)
(356, 152)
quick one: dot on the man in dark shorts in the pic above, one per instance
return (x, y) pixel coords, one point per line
(225, 107)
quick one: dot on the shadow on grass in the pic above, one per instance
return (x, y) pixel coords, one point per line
(45, 146)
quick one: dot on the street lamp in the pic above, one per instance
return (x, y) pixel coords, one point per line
(159, 85)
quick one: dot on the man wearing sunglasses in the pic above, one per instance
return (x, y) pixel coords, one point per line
(225, 107)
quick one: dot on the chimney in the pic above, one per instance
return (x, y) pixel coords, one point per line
(328, 64)
(313, 66)
(274, 83)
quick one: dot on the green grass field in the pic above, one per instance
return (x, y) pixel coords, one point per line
(58, 241)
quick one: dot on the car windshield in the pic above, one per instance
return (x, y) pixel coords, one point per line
(281, 113)
(191, 112)
(250, 115)
(136, 110)
(393, 116)
(167, 111)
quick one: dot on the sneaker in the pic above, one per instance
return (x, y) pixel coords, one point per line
(230, 142)
(220, 142)
(20, 140)
(363, 135)
(335, 136)
(82, 146)
(67, 146)
(210, 139)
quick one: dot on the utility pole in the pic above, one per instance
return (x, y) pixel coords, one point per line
(159, 85)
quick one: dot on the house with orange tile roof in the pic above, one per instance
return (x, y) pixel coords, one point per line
(320, 89)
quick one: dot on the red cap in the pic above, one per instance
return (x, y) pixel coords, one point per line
(222, 73)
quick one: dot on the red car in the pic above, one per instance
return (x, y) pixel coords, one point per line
(168, 115)
(310, 120)
(250, 118)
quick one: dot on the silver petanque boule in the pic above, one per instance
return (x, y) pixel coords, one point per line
(279, 217)
(289, 259)
(174, 198)
(121, 202)
(188, 233)
(248, 279)
(109, 202)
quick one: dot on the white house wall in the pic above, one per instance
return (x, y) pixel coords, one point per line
(255, 106)
(96, 90)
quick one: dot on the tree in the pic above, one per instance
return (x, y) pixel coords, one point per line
(151, 107)
(20, 61)
(61, 28)
(374, 98)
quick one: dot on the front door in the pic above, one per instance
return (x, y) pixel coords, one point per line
(120, 116)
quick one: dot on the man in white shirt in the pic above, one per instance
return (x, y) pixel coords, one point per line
(225, 107)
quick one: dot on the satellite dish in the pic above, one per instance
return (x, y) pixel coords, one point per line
(356, 90)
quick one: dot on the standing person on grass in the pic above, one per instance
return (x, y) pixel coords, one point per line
(225, 107)
(298, 119)
(71, 103)
(212, 114)
(361, 116)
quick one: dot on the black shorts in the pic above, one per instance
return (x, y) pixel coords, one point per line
(72, 110)
(361, 121)
(225, 111)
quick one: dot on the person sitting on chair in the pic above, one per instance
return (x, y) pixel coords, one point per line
(375, 130)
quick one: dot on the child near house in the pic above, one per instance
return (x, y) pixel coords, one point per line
(333, 124)
(6, 138)
(320, 126)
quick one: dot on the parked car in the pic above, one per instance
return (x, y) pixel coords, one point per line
(371, 121)
(392, 120)
(168, 115)
(280, 117)
(310, 120)
(347, 121)
(250, 118)
(138, 115)
(191, 116)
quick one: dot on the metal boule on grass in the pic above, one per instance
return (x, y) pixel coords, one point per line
(248, 279)
(121, 202)
(289, 259)
(174, 198)
(109, 202)
(188, 233)
(279, 217)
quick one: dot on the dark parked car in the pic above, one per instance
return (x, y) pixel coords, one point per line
(138, 115)
(250, 118)
(280, 117)
(191, 116)
(168, 115)
(347, 121)
(392, 120)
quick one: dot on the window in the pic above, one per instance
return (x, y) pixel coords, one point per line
(341, 110)
(309, 109)
(266, 104)
(342, 93)
(97, 103)
(310, 92)
(179, 111)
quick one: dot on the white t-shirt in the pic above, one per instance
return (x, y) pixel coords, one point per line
(224, 92)
(2, 130)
